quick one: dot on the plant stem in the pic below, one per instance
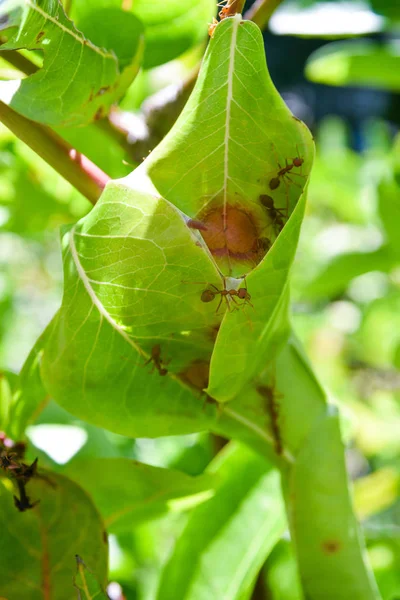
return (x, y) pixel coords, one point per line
(238, 5)
(20, 62)
(76, 168)
(261, 12)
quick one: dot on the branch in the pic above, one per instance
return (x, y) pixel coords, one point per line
(76, 168)
(261, 11)
(19, 61)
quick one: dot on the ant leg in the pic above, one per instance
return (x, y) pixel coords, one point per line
(219, 304)
(295, 182)
(236, 303)
(298, 154)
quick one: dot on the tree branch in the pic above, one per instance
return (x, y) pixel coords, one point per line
(261, 11)
(76, 168)
(19, 61)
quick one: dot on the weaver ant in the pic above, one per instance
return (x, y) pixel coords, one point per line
(229, 9)
(264, 244)
(208, 295)
(157, 361)
(274, 183)
(276, 215)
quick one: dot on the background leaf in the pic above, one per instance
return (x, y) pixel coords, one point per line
(117, 306)
(128, 492)
(78, 81)
(246, 513)
(356, 63)
(171, 27)
(38, 546)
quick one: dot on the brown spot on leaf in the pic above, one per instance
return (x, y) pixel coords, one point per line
(105, 537)
(197, 374)
(99, 114)
(103, 90)
(272, 407)
(331, 546)
(232, 233)
(39, 36)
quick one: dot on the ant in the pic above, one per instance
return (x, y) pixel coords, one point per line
(212, 26)
(229, 9)
(276, 214)
(264, 244)
(208, 295)
(274, 183)
(155, 357)
(268, 392)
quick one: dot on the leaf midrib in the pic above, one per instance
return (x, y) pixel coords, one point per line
(70, 32)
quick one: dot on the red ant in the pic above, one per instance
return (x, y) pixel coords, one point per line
(209, 295)
(212, 26)
(276, 215)
(274, 183)
(264, 244)
(229, 9)
(155, 357)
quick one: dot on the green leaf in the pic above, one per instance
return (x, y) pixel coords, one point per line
(79, 81)
(38, 546)
(126, 265)
(356, 63)
(330, 553)
(7, 382)
(132, 266)
(171, 26)
(338, 273)
(213, 173)
(139, 492)
(228, 538)
(281, 573)
(389, 210)
(86, 583)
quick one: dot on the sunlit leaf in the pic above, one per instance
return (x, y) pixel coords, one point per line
(79, 81)
(133, 267)
(171, 26)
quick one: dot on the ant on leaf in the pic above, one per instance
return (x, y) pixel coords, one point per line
(208, 295)
(276, 215)
(157, 361)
